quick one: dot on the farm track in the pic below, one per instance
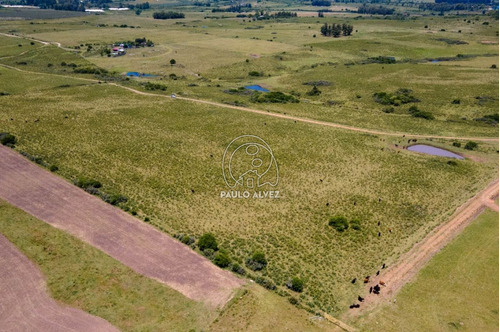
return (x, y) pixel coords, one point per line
(25, 304)
(410, 263)
(251, 110)
(136, 244)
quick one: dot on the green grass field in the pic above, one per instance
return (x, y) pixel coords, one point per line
(83, 277)
(158, 151)
(456, 291)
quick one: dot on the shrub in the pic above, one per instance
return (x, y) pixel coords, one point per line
(188, 240)
(296, 284)
(85, 183)
(388, 110)
(470, 145)
(255, 74)
(401, 96)
(293, 300)
(237, 269)
(457, 144)
(172, 62)
(155, 86)
(114, 199)
(266, 283)
(221, 259)
(273, 97)
(339, 223)
(257, 262)
(314, 92)
(355, 224)
(456, 101)
(8, 139)
(207, 241)
(209, 253)
(53, 168)
(416, 113)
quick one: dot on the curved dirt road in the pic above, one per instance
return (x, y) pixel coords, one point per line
(410, 263)
(133, 242)
(268, 113)
(25, 304)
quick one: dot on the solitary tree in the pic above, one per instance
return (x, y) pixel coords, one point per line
(172, 62)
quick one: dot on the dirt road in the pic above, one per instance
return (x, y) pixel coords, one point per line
(125, 238)
(25, 304)
(268, 113)
(410, 263)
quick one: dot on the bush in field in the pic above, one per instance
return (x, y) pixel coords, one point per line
(235, 267)
(155, 86)
(255, 74)
(257, 262)
(356, 224)
(457, 144)
(221, 259)
(339, 223)
(399, 97)
(416, 113)
(8, 139)
(114, 199)
(186, 239)
(266, 283)
(296, 284)
(314, 91)
(273, 97)
(207, 241)
(85, 183)
(470, 145)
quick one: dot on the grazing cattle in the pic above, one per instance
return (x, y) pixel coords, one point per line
(376, 292)
(371, 289)
(390, 230)
(378, 233)
(354, 203)
(320, 180)
(378, 272)
(192, 191)
(360, 299)
(383, 266)
(351, 306)
(353, 281)
(376, 288)
(396, 145)
(382, 283)
(327, 204)
(380, 200)
(378, 224)
(367, 279)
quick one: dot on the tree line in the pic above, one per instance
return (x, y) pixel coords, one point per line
(167, 15)
(336, 30)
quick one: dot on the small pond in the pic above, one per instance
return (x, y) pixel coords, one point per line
(136, 74)
(432, 150)
(256, 88)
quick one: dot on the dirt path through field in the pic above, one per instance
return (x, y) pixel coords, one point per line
(267, 113)
(125, 238)
(25, 304)
(410, 263)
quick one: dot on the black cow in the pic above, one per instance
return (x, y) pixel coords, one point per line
(378, 272)
(353, 281)
(371, 289)
(360, 299)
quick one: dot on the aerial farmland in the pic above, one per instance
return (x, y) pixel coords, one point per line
(249, 166)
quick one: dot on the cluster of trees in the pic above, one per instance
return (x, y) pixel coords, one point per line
(141, 6)
(377, 10)
(72, 5)
(341, 224)
(234, 9)
(321, 3)
(445, 6)
(261, 15)
(167, 15)
(336, 30)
